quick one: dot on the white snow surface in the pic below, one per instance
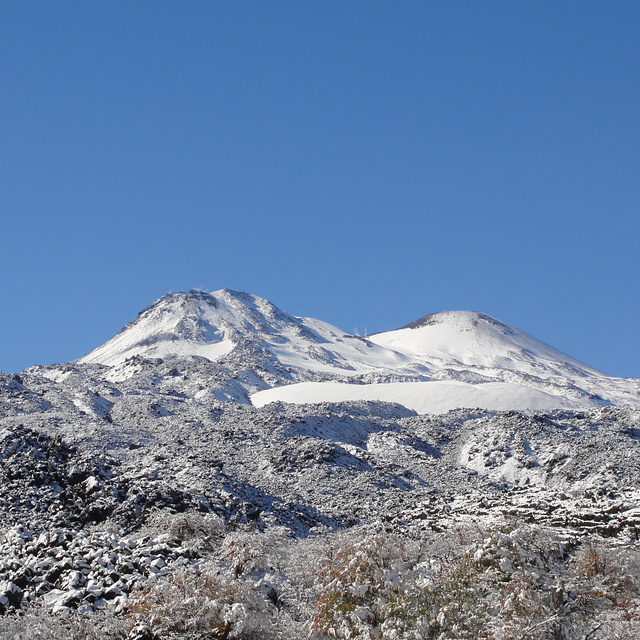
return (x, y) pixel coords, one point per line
(472, 339)
(435, 397)
(196, 323)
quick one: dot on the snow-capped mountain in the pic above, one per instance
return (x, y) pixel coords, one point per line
(468, 339)
(212, 325)
(440, 362)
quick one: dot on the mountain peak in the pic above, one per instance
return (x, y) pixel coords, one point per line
(194, 322)
(461, 318)
(182, 297)
(175, 324)
(471, 338)
(197, 323)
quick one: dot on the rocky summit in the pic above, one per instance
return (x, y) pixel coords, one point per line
(223, 469)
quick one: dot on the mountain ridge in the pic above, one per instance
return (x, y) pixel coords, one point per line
(475, 359)
(189, 322)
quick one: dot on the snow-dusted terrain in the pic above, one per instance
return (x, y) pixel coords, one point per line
(223, 406)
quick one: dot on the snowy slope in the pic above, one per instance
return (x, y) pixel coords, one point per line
(195, 323)
(425, 397)
(472, 339)
(468, 343)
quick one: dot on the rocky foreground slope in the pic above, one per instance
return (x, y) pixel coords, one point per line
(143, 471)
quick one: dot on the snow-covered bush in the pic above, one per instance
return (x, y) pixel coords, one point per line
(507, 584)
(610, 575)
(41, 625)
(247, 551)
(510, 582)
(384, 587)
(197, 531)
(193, 603)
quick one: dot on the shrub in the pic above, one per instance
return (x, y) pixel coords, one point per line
(192, 603)
(381, 587)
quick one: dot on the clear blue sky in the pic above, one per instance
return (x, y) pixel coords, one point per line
(362, 162)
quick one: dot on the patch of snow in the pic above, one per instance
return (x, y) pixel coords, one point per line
(434, 397)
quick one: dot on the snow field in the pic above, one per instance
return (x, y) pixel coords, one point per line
(435, 397)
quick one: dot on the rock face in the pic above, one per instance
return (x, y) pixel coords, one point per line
(108, 465)
(63, 568)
